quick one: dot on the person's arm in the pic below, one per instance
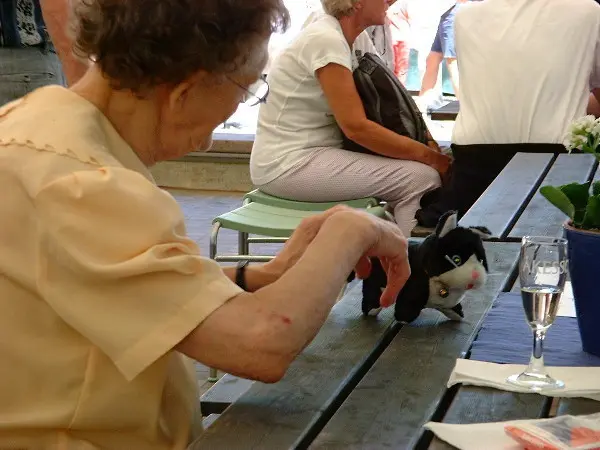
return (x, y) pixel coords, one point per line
(256, 276)
(339, 88)
(257, 335)
(56, 17)
(594, 103)
(143, 290)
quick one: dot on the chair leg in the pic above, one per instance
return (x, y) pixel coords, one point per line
(212, 375)
(213, 240)
(243, 244)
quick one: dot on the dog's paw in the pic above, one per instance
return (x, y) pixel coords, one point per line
(374, 312)
(455, 313)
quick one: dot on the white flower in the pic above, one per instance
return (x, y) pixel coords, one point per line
(596, 127)
(579, 132)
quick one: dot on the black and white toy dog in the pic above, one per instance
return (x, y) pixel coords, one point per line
(443, 267)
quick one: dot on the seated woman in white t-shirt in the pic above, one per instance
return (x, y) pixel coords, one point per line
(298, 153)
(517, 94)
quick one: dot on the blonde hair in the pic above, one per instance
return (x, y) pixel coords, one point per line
(338, 8)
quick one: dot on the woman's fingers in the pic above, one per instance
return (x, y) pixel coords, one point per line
(397, 271)
(363, 268)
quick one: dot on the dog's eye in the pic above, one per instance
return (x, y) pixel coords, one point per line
(456, 260)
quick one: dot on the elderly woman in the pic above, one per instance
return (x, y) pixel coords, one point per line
(298, 150)
(102, 293)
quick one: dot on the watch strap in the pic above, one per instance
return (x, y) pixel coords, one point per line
(240, 274)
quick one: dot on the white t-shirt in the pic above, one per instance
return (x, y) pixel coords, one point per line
(526, 68)
(296, 117)
(368, 41)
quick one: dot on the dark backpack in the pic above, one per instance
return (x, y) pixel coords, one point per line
(386, 102)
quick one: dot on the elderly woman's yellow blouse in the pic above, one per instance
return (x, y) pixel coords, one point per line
(98, 282)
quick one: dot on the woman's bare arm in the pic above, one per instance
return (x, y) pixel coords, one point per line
(257, 335)
(594, 103)
(340, 90)
(56, 16)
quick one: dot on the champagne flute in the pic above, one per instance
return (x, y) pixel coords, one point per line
(542, 273)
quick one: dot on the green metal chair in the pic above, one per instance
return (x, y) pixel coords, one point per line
(274, 224)
(259, 196)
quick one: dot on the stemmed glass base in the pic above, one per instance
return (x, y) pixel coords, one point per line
(535, 382)
(534, 377)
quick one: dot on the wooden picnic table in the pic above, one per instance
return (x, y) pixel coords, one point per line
(512, 207)
(372, 382)
(447, 112)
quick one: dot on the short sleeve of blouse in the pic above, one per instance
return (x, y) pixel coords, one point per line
(324, 45)
(116, 265)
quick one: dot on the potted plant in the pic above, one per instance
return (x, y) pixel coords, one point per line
(581, 203)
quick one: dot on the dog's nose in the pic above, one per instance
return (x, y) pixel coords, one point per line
(475, 275)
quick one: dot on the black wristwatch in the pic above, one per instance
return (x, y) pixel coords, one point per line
(240, 274)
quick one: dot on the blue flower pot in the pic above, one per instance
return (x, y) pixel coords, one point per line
(584, 269)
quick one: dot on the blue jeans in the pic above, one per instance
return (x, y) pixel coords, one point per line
(23, 69)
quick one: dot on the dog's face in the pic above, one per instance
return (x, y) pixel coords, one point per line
(455, 261)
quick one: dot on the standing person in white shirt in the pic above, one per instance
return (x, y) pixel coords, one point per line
(527, 68)
(298, 152)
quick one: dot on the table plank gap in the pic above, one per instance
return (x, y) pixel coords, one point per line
(406, 385)
(501, 204)
(274, 416)
(577, 406)
(345, 389)
(540, 217)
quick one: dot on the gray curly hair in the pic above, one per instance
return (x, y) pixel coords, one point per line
(338, 8)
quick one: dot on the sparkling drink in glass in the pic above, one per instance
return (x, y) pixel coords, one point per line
(542, 274)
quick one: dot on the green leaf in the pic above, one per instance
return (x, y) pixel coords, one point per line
(590, 141)
(591, 219)
(559, 199)
(585, 148)
(578, 194)
(596, 188)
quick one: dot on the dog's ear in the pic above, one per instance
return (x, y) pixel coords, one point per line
(448, 222)
(480, 254)
(483, 232)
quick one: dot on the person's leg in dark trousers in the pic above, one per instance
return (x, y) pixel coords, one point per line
(25, 69)
(474, 168)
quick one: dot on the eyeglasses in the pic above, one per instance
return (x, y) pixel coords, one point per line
(256, 93)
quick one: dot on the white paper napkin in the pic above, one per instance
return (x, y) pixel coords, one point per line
(579, 381)
(471, 436)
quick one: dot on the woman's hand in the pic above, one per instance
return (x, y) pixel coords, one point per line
(298, 242)
(391, 247)
(441, 163)
(433, 145)
(388, 244)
